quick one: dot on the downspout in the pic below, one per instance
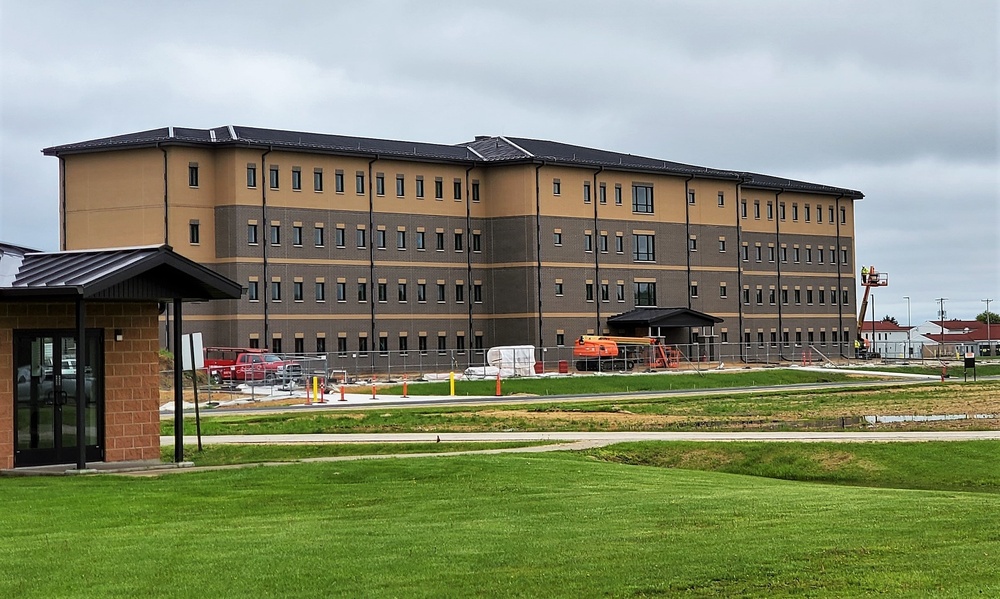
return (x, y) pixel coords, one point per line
(166, 222)
(538, 249)
(739, 270)
(468, 257)
(62, 203)
(371, 258)
(687, 242)
(265, 231)
(836, 256)
(777, 288)
(597, 253)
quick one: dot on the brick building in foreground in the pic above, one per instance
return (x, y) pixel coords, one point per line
(350, 245)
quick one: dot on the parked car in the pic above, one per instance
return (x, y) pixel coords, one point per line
(249, 364)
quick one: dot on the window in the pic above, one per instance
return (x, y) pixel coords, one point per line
(400, 186)
(559, 288)
(342, 347)
(251, 175)
(379, 184)
(722, 199)
(383, 344)
(723, 292)
(477, 242)
(439, 241)
(795, 254)
(798, 337)
(252, 291)
(422, 344)
(774, 338)
(693, 243)
(756, 209)
(403, 344)
(795, 212)
(784, 296)
(760, 296)
(556, 187)
(193, 174)
(380, 238)
(694, 290)
(589, 292)
(362, 242)
(819, 219)
(772, 296)
(318, 180)
(297, 178)
(560, 339)
(603, 243)
(459, 245)
(643, 248)
(459, 293)
(297, 235)
(843, 256)
(421, 292)
(359, 183)
(809, 255)
(442, 344)
(743, 208)
(400, 240)
(383, 292)
(843, 216)
(833, 256)
(618, 194)
(320, 345)
(770, 211)
(819, 255)
(320, 291)
(620, 292)
(438, 188)
(363, 346)
(619, 243)
(458, 189)
(252, 234)
(603, 193)
(362, 291)
(822, 296)
(421, 241)
(586, 192)
(746, 295)
(319, 237)
(477, 293)
(781, 211)
(645, 294)
(642, 198)
(797, 294)
(829, 213)
(690, 196)
(770, 253)
(745, 253)
(194, 232)
(276, 291)
(605, 293)
(475, 191)
(275, 234)
(420, 187)
(844, 300)
(440, 292)
(401, 292)
(274, 177)
(807, 209)
(276, 344)
(297, 291)
(338, 181)
(784, 254)
(557, 237)
(339, 235)
(588, 242)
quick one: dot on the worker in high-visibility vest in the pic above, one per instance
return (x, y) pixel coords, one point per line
(864, 274)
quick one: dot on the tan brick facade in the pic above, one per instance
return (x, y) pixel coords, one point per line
(131, 380)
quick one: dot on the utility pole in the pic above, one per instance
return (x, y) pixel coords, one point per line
(989, 337)
(941, 314)
(909, 348)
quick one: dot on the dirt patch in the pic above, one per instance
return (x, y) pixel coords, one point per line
(832, 461)
(702, 459)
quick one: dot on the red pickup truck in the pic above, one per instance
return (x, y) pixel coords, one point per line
(249, 364)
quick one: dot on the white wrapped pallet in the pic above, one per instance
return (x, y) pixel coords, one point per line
(512, 360)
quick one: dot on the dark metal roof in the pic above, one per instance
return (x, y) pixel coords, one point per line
(154, 273)
(484, 150)
(664, 317)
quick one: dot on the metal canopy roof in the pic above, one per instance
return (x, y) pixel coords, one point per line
(664, 317)
(150, 273)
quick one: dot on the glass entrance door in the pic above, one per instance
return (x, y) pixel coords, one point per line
(46, 378)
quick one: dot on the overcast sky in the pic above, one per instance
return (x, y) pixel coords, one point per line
(897, 99)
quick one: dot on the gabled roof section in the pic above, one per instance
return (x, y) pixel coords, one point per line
(484, 150)
(151, 273)
(884, 326)
(664, 317)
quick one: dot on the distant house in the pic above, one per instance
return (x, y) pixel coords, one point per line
(958, 337)
(891, 340)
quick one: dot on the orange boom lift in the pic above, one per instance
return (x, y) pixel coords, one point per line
(602, 352)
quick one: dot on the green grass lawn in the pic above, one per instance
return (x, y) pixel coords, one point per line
(215, 455)
(549, 525)
(578, 385)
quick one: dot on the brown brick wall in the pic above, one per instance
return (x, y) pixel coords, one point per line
(131, 382)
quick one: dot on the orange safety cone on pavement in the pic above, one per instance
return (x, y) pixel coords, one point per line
(342, 398)
(498, 384)
(404, 386)
(373, 390)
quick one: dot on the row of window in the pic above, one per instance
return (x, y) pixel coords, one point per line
(360, 188)
(644, 293)
(380, 291)
(402, 344)
(818, 296)
(837, 338)
(361, 237)
(807, 211)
